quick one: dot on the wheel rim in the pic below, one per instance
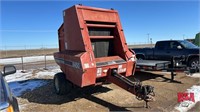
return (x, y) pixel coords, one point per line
(195, 64)
(140, 58)
(57, 85)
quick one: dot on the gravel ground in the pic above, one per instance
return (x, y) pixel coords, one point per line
(108, 97)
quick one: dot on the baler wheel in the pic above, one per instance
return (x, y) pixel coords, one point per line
(61, 84)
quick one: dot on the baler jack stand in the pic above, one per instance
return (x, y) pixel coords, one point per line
(142, 92)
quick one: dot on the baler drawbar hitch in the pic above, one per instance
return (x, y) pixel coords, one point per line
(142, 92)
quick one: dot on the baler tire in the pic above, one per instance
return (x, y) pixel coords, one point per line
(61, 84)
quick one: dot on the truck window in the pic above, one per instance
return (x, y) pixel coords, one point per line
(187, 44)
(173, 45)
(160, 45)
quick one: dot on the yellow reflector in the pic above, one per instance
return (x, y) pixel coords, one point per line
(10, 109)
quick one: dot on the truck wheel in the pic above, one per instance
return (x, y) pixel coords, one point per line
(140, 57)
(61, 84)
(194, 63)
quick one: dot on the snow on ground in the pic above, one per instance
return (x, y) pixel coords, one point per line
(45, 73)
(187, 105)
(19, 76)
(196, 75)
(28, 81)
(19, 87)
(25, 59)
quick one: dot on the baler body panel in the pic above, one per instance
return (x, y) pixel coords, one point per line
(91, 43)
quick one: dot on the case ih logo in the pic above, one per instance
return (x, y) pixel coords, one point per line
(185, 97)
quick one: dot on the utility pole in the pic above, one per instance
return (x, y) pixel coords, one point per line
(148, 38)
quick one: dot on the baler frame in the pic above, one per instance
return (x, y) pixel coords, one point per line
(92, 49)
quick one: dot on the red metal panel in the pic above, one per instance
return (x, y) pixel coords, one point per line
(101, 37)
(101, 25)
(60, 56)
(77, 58)
(105, 70)
(61, 38)
(104, 59)
(74, 75)
(84, 31)
(130, 66)
(89, 77)
(91, 15)
(72, 31)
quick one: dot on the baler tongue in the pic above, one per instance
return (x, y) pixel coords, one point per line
(142, 92)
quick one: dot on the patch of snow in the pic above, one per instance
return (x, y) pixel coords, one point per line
(187, 105)
(19, 87)
(22, 82)
(23, 106)
(18, 76)
(25, 59)
(51, 72)
(196, 75)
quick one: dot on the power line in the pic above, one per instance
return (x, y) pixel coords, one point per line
(28, 30)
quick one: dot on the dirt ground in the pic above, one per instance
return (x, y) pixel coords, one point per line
(108, 97)
(103, 98)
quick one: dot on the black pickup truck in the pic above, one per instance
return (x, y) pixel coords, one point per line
(166, 50)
